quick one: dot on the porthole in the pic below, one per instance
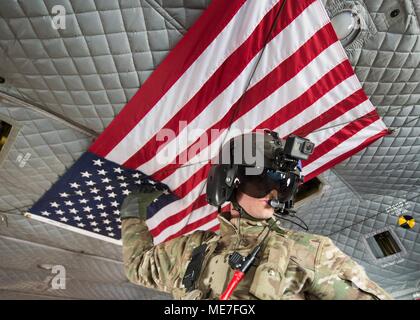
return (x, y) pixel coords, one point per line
(346, 25)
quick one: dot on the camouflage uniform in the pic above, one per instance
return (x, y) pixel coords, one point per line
(291, 265)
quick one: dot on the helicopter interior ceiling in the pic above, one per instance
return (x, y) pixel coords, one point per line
(58, 91)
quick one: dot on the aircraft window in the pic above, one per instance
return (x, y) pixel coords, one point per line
(310, 188)
(383, 244)
(9, 130)
(5, 129)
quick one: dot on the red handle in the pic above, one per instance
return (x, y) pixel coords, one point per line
(237, 277)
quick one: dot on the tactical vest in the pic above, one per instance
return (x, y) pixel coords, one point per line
(264, 280)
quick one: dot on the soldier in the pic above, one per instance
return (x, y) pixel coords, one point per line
(274, 263)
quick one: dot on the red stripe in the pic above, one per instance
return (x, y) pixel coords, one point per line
(175, 218)
(222, 78)
(188, 153)
(215, 228)
(275, 79)
(194, 225)
(346, 155)
(340, 136)
(325, 84)
(190, 184)
(189, 48)
(333, 113)
(199, 223)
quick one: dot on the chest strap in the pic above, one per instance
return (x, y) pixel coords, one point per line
(194, 267)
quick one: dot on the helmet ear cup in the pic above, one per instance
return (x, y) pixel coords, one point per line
(220, 184)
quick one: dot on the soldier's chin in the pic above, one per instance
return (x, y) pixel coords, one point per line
(266, 213)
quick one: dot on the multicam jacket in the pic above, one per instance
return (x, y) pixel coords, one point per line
(291, 265)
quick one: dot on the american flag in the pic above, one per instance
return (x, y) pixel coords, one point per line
(243, 66)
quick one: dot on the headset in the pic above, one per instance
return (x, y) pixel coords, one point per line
(281, 169)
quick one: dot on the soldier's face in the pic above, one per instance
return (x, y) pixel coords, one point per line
(257, 207)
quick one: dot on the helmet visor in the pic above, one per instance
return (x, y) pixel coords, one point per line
(258, 186)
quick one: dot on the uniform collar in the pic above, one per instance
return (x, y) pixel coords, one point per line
(230, 226)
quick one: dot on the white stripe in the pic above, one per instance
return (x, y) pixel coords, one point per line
(295, 35)
(190, 218)
(330, 128)
(290, 39)
(232, 36)
(345, 146)
(340, 92)
(292, 89)
(71, 228)
(176, 206)
(205, 227)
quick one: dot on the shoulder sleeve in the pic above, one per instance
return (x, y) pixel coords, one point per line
(338, 277)
(160, 266)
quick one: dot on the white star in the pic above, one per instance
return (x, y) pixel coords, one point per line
(102, 172)
(94, 190)
(83, 201)
(100, 206)
(105, 180)
(45, 213)
(81, 225)
(74, 211)
(121, 178)
(116, 212)
(64, 195)
(111, 234)
(108, 228)
(112, 195)
(107, 221)
(64, 219)
(126, 192)
(87, 209)
(86, 174)
(137, 182)
(119, 226)
(77, 218)
(74, 185)
(60, 212)
(90, 183)
(93, 223)
(69, 203)
(54, 204)
(123, 185)
(136, 175)
(98, 162)
(118, 220)
(109, 187)
(104, 214)
(97, 230)
(118, 170)
(80, 192)
(90, 216)
(114, 204)
(98, 198)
